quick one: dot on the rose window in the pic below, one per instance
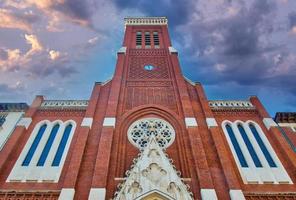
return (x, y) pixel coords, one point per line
(140, 132)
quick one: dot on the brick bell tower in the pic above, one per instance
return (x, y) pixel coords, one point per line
(148, 98)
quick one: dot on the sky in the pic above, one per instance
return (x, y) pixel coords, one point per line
(235, 48)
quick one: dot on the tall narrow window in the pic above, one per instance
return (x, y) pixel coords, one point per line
(156, 39)
(34, 145)
(139, 39)
(48, 145)
(147, 40)
(2, 119)
(236, 146)
(62, 145)
(262, 146)
(249, 146)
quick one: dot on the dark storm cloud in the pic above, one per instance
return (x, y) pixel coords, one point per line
(75, 8)
(3, 54)
(177, 11)
(292, 19)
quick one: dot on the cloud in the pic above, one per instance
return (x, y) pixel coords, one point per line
(36, 46)
(11, 20)
(53, 55)
(75, 11)
(178, 11)
(57, 11)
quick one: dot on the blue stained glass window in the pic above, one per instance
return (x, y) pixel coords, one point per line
(249, 146)
(262, 146)
(236, 146)
(34, 145)
(48, 145)
(62, 145)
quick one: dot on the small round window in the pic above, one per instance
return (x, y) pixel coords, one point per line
(140, 132)
(149, 67)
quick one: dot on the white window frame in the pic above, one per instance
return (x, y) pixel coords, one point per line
(253, 174)
(47, 172)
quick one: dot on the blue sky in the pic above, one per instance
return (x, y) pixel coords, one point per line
(59, 48)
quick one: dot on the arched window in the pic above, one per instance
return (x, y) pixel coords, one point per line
(48, 145)
(262, 146)
(34, 145)
(62, 145)
(236, 146)
(249, 146)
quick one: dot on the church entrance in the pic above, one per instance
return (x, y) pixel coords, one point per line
(155, 196)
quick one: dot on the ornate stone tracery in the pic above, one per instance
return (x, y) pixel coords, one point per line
(141, 130)
(153, 173)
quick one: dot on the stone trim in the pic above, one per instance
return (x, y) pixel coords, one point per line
(145, 21)
(109, 121)
(97, 193)
(236, 195)
(268, 122)
(87, 122)
(172, 50)
(190, 122)
(211, 122)
(208, 194)
(25, 121)
(67, 194)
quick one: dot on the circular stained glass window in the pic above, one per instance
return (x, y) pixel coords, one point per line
(140, 132)
(149, 67)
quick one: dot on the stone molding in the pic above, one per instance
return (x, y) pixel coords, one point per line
(145, 21)
(64, 104)
(231, 104)
(87, 122)
(236, 195)
(109, 121)
(97, 193)
(67, 194)
(25, 121)
(190, 122)
(208, 194)
(268, 122)
(211, 122)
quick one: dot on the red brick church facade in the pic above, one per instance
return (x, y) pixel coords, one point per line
(148, 133)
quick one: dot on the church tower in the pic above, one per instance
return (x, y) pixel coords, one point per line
(148, 133)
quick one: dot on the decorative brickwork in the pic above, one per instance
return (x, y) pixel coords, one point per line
(137, 71)
(29, 195)
(250, 196)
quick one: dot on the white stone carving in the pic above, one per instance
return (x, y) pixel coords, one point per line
(172, 50)
(145, 21)
(231, 104)
(211, 122)
(268, 122)
(25, 121)
(97, 193)
(109, 121)
(152, 172)
(67, 194)
(190, 122)
(87, 121)
(64, 104)
(122, 50)
(140, 131)
(208, 194)
(236, 195)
